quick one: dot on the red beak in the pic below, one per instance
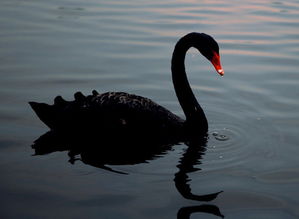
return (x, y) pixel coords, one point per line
(216, 62)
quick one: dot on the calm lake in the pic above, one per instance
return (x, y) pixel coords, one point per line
(50, 48)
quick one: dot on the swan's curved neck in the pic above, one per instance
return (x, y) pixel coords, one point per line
(193, 111)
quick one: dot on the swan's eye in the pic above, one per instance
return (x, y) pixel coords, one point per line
(217, 64)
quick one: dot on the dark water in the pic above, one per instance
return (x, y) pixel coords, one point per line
(50, 48)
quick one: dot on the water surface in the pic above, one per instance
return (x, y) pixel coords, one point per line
(50, 48)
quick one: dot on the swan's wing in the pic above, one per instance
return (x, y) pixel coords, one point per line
(106, 110)
(133, 107)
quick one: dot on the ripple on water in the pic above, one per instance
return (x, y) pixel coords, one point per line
(238, 138)
(280, 176)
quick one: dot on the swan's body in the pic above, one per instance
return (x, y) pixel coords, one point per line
(119, 111)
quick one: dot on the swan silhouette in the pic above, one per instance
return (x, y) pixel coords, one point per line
(128, 113)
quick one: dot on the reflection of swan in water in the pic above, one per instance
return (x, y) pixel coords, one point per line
(192, 156)
(122, 112)
(94, 153)
(185, 212)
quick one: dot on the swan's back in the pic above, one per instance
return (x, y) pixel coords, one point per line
(110, 111)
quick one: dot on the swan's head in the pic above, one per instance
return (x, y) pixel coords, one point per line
(209, 48)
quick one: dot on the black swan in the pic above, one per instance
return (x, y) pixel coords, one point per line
(131, 114)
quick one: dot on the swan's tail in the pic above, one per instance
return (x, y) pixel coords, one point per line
(61, 114)
(45, 113)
